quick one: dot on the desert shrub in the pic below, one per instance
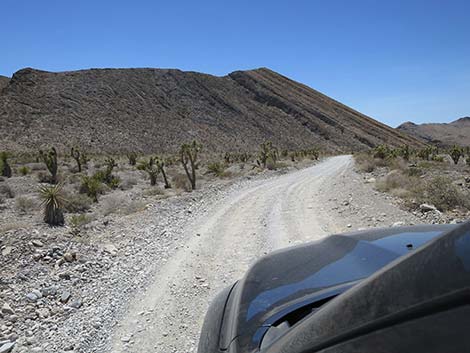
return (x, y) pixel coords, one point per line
(92, 187)
(80, 220)
(24, 170)
(440, 192)
(77, 203)
(413, 171)
(216, 168)
(44, 177)
(180, 181)
(368, 163)
(25, 205)
(77, 222)
(127, 182)
(53, 202)
(271, 164)
(437, 158)
(120, 204)
(106, 176)
(6, 191)
(154, 191)
(396, 179)
(364, 162)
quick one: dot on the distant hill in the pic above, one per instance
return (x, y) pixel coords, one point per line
(148, 110)
(444, 134)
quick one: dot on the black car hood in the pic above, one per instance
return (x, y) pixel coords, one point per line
(295, 277)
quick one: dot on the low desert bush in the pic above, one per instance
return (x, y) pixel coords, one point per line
(442, 193)
(396, 179)
(24, 170)
(216, 168)
(80, 220)
(6, 191)
(154, 191)
(127, 182)
(180, 181)
(92, 187)
(25, 205)
(120, 204)
(77, 203)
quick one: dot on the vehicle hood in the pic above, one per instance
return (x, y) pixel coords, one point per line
(292, 278)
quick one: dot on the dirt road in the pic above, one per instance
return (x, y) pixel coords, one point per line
(258, 219)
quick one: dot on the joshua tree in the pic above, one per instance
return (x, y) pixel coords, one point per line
(6, 169)
(53, 202)
(456, 153)
(267, 152)
(425, 153)
(188, 157)
(110, 165)
(75, 154)
(161, 166)
(50, 159)
(405, 152)
(132, 157)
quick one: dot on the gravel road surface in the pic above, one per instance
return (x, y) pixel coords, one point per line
(224, 241)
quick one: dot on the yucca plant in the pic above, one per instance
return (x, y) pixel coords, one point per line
(53, 202)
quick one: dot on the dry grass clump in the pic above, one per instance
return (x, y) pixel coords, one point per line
(76, 203)
(438, 191)
(154, 191)
(120, 204)
(26, 205)
(127, 182)
(180, 181)
(442, 193)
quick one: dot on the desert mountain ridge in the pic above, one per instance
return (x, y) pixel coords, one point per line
(456, 132)
(149, 110)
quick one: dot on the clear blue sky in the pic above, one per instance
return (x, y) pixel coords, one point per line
(394, 60)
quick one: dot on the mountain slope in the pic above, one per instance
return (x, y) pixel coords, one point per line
(3, 82)
(445, 134)
(157, 109)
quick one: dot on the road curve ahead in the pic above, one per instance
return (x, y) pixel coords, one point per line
(264, 216)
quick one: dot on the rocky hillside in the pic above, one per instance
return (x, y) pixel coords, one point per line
(3, 82)
(445, 134)
(151, 110)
